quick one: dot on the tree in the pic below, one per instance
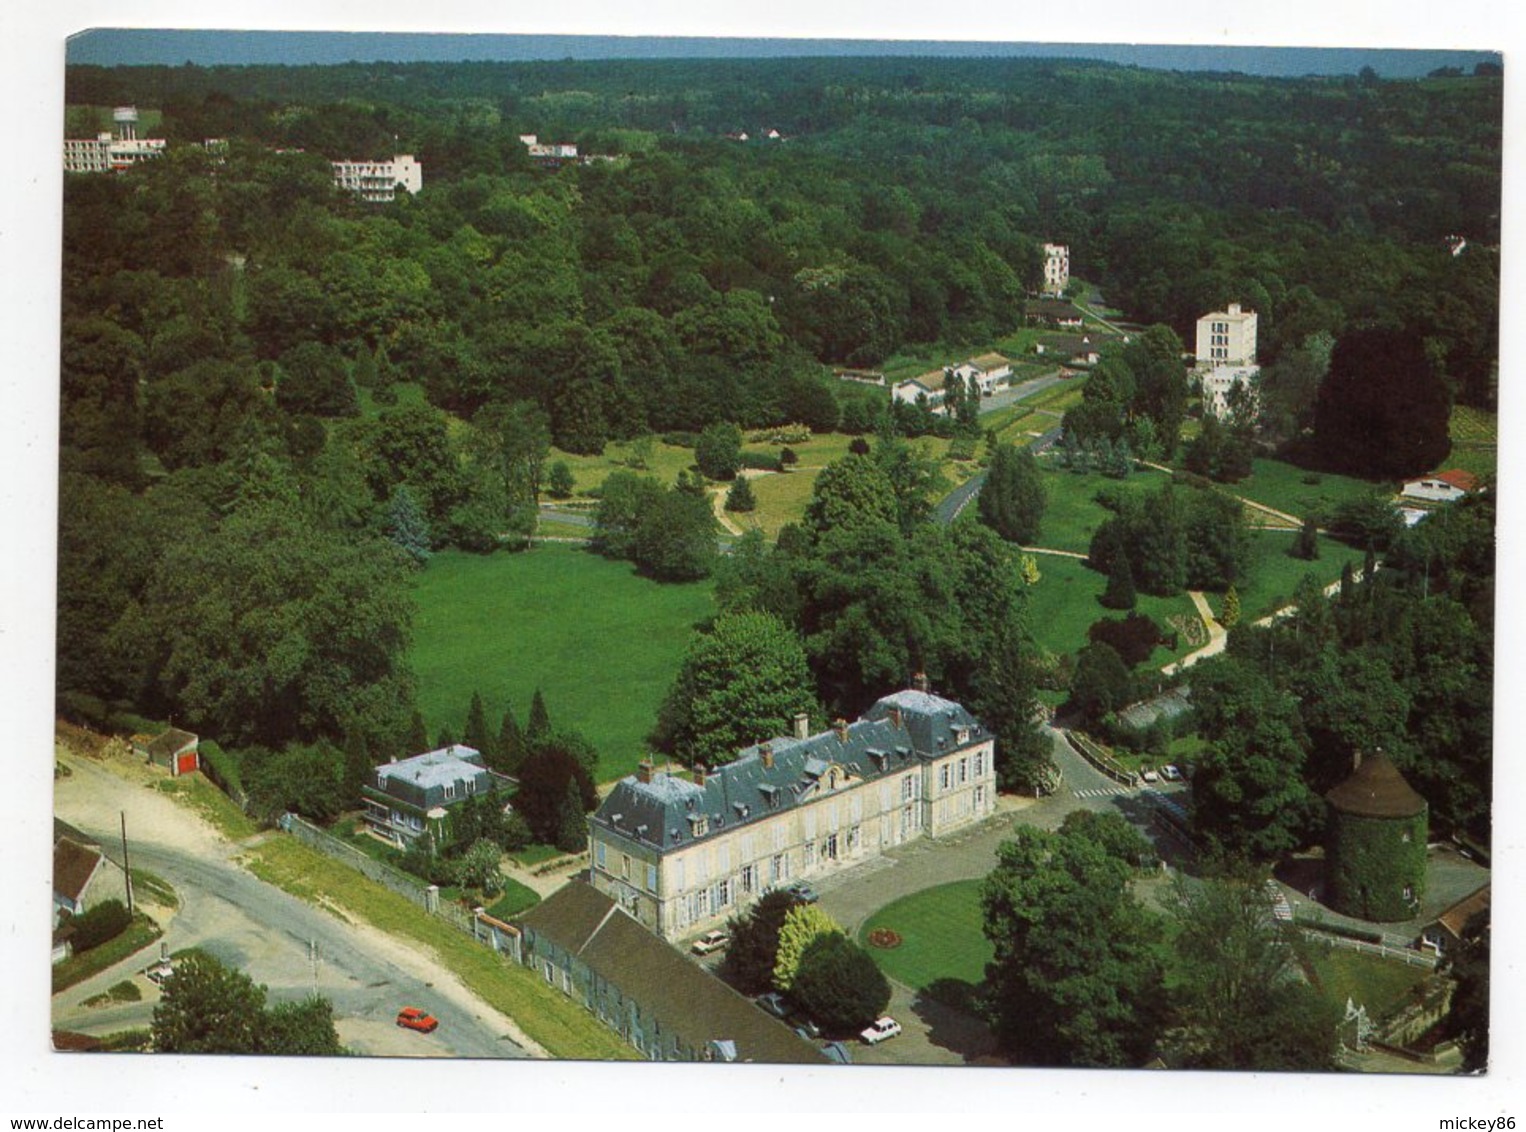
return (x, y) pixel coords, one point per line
(301, 1029)
(406, 527)
(1468, 1017)
(1368, 521)
(512, 744)
(803, 925)
(476, 734)
(1076, 979)
(571, 825)
(1120, 592)
(538, 727)
(740, 683)
(718, 453)
(1383, 410)
(674, 540)
(1230, 616)
(1114, 834)
(208, 1008)
(754, 948)
(1028, 569)
(839, 985)
(418, 734)
(1306, 542)
(559, 481)
(741, 498)
(1243, 1003)
(1101, 682)
(1012, 499)
(547, 779)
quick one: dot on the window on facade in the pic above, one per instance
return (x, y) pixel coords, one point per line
(598, 853)
(810, 853)
(831, 847)
(723, 894)
(980, 764)
(853, 841)
(907, 788)
(779, 869)
(651, 878)
(964, 771)
(450, 789)
(625, 865)
(943, 777)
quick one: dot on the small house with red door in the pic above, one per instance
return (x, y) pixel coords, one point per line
(175, 750)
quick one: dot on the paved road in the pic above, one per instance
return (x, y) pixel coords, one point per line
(269, 935)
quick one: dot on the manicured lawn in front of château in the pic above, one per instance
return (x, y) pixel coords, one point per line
(943, 947)
(1064, 605)
(602, 643)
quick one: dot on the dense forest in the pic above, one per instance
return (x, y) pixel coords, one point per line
(236, 536)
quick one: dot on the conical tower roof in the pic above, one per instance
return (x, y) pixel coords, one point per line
(1376, 789)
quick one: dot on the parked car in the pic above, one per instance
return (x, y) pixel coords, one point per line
(412, 1018)
(881, 1030)
(804, 893)
(1170, 773)
(838, 1052)
(710, 941)
(1148, 775)
(805, 1027)
(774, 1004)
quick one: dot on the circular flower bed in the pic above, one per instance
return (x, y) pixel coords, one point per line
(884, 938)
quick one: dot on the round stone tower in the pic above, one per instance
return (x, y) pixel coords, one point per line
(1375, 843)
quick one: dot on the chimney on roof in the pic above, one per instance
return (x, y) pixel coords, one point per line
(644, 772)
(699, 774)
(766, 752)
(1234, 308)
(841, 727)
(895, 718)
(920, 682)
(802, 725)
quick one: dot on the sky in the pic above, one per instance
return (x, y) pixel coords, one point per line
(134, 46)
(243, 1093)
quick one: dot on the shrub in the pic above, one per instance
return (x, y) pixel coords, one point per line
(1133, 637)
(764, 461)
(105, 921)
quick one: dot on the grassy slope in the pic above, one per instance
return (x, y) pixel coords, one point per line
(1064, 605)
(560, 1025)
(602, 644)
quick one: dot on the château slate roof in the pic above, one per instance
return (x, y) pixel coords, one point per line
(669, 812)
(680, 996)
(1376, 789)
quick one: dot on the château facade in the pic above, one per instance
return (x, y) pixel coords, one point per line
(683, 853)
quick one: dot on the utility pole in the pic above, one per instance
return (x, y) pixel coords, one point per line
(126, 870)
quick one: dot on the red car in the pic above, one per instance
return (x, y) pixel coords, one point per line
(412, 1018)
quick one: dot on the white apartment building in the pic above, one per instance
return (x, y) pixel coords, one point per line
(112, 152)
(1220, 381)
(684, 853)
(1227, 338)
(379, 180)
(1056, 268)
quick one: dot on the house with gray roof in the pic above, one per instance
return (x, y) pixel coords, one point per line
(681, 853)
(670, 1009)
(412, 798)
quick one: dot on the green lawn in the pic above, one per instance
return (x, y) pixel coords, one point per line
(516, 900)
(601, 643)
(77, 968)
(1378, 984)
(1063, 606)
(1072, 513)
(1298, 491)
(943, 947)
(1274, 575)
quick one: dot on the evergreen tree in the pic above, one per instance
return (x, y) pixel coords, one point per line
(418, 734)
(1120, 592)
(511, 743)
(476, 735)
(1306, 543)
(406, 525)
(718, 454)
(445, 738)
(1230, 617)
(572, 825)
(358, 764)
(740, 498)
(538, 727)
